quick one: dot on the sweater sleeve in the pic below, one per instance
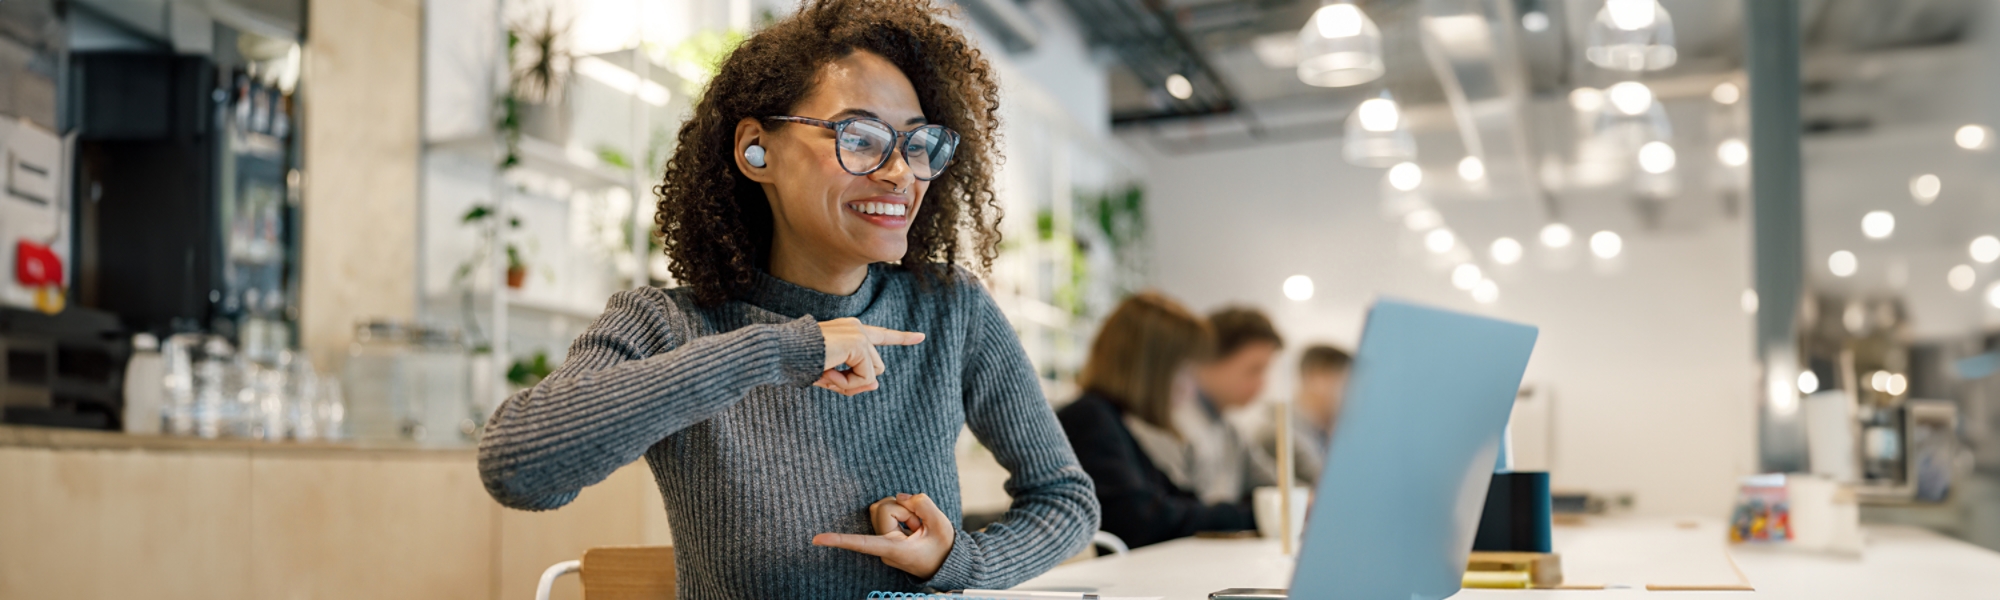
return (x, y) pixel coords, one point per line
(629, 382)
(1054, 510)
(1140, 506)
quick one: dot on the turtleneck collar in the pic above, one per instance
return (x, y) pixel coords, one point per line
(794, 301)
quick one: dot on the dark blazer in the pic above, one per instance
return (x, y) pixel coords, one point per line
(1141, 505)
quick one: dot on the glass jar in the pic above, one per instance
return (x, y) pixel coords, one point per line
(441, 379)
(331, 410)
(376, 382)
(216, 384)
(180, 354)
(300, 407)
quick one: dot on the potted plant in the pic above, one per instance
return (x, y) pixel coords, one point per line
(517, 272)
(538, 62)
(517, 269)
(528, 371)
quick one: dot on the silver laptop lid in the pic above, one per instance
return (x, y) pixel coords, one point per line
(1399, 499)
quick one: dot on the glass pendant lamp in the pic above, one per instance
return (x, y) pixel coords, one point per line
(1339, 47)
(1655, 177)
(1626, 120)
(1633, 117)
(1375, 135)
(1632, 35)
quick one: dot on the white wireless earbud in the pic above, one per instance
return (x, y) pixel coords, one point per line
(754, 154)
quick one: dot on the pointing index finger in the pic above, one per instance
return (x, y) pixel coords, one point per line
(882, 336)
(872, 545)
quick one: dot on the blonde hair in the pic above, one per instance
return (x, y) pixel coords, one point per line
(1142, 346)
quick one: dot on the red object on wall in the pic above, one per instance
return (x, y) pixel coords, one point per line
(35, 265)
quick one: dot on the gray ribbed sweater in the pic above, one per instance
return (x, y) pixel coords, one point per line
(752, 461)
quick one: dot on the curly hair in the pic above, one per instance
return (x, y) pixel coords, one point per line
(716, 224)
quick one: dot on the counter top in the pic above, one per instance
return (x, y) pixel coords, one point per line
(1898, 562)
(58, 438)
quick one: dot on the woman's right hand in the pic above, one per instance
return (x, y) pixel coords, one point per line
(852, 343)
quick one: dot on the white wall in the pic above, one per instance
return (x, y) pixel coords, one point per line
(1649, 358)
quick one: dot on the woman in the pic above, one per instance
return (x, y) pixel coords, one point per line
(799, 397)
(1140, 372)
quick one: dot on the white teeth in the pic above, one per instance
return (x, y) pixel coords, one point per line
(881, 208)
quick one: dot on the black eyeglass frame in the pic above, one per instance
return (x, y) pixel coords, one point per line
(948, 141)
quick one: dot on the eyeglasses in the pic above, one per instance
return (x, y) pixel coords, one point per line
(863, 144)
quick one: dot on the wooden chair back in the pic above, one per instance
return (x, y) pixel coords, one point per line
(628, 573)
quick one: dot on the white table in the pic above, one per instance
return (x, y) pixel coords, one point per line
(1898, 562)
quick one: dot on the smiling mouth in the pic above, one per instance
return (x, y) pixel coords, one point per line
(880, 209)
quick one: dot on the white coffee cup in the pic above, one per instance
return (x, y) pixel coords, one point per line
(1266, 502)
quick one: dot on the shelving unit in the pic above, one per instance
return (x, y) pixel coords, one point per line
(585, 221)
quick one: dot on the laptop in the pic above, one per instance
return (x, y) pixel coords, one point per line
(1399, 497)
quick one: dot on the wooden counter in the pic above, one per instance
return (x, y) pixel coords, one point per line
(104, 515)
(57, 438)
(177, 517)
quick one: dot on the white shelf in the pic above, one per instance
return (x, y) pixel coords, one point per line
(516, 299)
(579, 166)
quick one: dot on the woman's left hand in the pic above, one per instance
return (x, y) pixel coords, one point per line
(911, 534)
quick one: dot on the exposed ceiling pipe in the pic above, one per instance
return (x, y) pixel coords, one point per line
(1477, 60)
(1199, 63)
(1148, 39)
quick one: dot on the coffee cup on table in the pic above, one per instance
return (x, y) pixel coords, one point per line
(1266, 503)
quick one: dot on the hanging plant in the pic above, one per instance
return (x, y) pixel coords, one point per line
(538, 58)
(538, 65)
(509, 125)
(1121, 216)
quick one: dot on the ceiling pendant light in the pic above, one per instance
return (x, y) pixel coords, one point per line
(1631, 122)
(1656, 165)
(1339, 46)
(1375, 134)
(1632, 35)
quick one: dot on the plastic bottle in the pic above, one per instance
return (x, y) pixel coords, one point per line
(145, 386)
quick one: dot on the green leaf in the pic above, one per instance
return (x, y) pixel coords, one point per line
(479, 211)
(529, 371)
(611, 156)
(703, 53)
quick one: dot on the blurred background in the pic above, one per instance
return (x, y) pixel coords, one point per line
(273, 261)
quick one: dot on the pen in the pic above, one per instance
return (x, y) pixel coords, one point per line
(1020, 595)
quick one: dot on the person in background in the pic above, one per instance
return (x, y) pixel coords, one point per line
(800, 396)
(1315, 407)
(1141, 367)
(1228, 466)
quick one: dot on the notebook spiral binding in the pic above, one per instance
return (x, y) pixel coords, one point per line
(911, 596)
